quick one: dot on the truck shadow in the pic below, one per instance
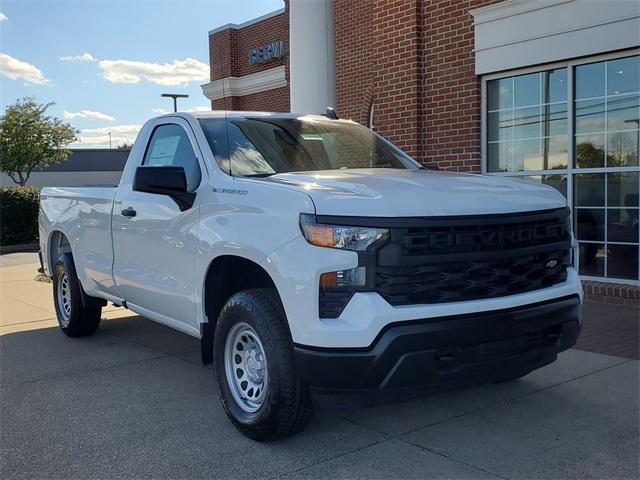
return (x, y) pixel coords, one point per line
(134, 401)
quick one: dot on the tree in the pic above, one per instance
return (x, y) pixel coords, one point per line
(30, 139)
(125, 146)
(589, 155)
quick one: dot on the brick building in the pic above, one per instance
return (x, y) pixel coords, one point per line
(542, 90)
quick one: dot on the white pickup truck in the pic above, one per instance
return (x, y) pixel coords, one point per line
(310, 255)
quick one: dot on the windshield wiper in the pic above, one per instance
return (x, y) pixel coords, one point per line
(260, 175)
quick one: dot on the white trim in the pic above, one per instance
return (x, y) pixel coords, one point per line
(246, 85)
(517, 33)
(510, 8)
(553, 33)
(238, 26)
(312, 55)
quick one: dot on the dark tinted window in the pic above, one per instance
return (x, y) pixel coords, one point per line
(265, 146)
(170, 145)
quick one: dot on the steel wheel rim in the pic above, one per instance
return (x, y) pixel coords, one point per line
(246, 369)
(64, 299)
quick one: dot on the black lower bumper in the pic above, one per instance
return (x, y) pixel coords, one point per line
(448, 351)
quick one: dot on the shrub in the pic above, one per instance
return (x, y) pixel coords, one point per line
(19, 215)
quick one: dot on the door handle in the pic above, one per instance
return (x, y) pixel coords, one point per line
(128, 212)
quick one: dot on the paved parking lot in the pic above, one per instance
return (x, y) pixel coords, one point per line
(133, 401)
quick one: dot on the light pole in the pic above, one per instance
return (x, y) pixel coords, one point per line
(109, 140)
(175, 97)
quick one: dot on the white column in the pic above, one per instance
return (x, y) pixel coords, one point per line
(312, 56)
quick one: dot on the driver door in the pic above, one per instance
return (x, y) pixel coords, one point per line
(154, 241)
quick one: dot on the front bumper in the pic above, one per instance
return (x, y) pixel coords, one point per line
(448, 351)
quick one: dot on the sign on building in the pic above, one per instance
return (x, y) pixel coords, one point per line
(266, 53)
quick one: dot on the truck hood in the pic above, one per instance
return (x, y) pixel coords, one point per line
(408, 193)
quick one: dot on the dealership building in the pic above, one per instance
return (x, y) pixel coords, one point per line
(541, 90)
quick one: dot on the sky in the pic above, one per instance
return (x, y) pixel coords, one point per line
(105, 63)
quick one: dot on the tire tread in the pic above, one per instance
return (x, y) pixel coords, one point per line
(294, 408)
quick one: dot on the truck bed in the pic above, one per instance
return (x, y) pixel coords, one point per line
(84, 215)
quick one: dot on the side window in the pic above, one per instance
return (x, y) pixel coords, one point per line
(170, 145)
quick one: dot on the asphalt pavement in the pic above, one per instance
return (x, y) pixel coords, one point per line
(133, 401)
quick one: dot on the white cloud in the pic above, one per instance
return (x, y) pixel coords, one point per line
(131, 129)
(162, 111)
(89, 115)
(85, 57)
(3, 17)
(99, 137)
(179, 72)
(18, 70)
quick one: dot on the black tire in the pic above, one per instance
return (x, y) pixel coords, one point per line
(286, 407)
(78, 313)
(512, 378)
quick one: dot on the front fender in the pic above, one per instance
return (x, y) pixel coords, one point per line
(248, 220)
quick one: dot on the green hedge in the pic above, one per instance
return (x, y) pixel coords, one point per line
(19, 215)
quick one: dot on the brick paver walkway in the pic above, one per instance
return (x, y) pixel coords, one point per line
(610, 329)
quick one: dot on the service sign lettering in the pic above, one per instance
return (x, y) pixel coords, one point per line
(266, 53)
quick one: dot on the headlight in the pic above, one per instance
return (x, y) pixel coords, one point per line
(337, 236)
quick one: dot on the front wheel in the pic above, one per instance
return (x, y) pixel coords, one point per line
(255, 372)
(78, 314)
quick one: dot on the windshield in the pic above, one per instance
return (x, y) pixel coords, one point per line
(266, 146)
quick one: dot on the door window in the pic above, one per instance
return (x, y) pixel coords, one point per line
(170, 145)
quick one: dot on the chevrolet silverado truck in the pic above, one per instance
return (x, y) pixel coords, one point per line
(309, 255)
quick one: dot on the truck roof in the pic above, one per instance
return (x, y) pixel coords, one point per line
(244, 114)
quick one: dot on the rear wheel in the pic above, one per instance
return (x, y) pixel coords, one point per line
(78, 313)
(255, 372)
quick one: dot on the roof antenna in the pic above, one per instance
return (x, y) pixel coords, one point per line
(331, 113)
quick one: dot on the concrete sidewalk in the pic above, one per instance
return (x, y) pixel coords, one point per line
(133, 401)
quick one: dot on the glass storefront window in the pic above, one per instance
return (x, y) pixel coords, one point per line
(607, 113)
(529, 133)
(527, 122)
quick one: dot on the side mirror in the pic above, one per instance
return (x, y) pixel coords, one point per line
(164, 180)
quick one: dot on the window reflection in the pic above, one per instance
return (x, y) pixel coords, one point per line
(590, 151)
(622, 189)
(527, 122)
(528, 129)
(623, 75)
(589, 81)
(622, 261)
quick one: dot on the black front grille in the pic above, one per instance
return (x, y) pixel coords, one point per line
(435, 260)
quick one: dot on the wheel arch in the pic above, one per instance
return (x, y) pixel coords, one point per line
(57, 245)
(229, 274)
(226, 275)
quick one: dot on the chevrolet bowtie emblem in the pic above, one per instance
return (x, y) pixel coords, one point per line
(551, 263)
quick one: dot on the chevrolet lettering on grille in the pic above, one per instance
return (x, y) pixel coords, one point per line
(494, 238)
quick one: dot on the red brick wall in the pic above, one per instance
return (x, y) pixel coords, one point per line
(378, 47)
(451, 87)
(275, 100)
(353, 20)
(414, 59)
(228, 57)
